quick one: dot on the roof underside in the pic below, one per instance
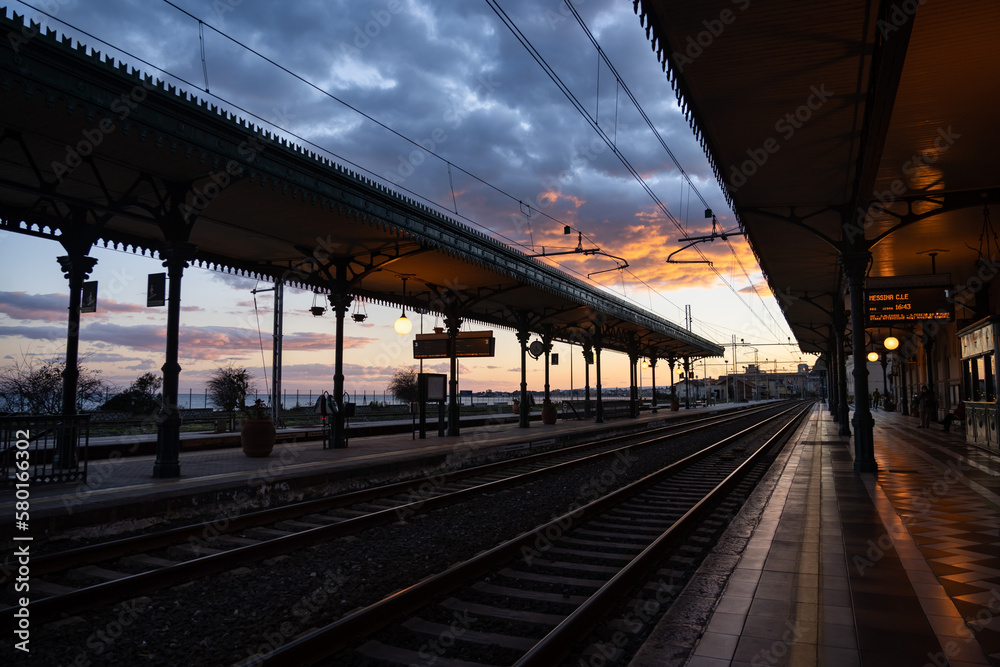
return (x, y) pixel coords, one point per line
(812, 112)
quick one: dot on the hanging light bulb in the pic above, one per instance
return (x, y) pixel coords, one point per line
(873, 356)
(403, 325)
(891, 343)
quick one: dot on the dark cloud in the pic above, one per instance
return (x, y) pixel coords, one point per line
(34, 307)
(52, 307)
(207, 343)
(33, 333)
(308, 340)
(448, 75)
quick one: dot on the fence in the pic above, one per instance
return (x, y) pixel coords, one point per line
(43, 450)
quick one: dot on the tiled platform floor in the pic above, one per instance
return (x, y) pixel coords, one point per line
(901, 567)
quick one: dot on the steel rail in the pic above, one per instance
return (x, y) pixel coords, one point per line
(336, 636)
(563, 637)
(130, 586)
(104, 551)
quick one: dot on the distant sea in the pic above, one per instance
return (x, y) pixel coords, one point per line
(290, 399)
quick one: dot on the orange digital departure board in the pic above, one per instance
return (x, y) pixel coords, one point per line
(909, 304)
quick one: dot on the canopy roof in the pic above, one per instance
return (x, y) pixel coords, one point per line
(840, 125)
(92, 152)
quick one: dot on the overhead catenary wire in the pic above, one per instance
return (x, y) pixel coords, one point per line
(536, 55)
(370, 118)
(621, 83)
(307, 142)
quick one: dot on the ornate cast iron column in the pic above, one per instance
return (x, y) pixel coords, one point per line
(904, 402)
(831, 378)
(453, 324)
(522, 337)
(839, 327)
(652, 367)
(855, 265)
(176, 257)
(340, 303)
(672, 362)
(547, 343)
(633, 392)
(76, 266)
(599, 411)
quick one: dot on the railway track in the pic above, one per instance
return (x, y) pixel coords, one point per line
(76, 580)
(531, 600)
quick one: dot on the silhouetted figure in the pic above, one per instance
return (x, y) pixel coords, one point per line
(957, 415)
(926, 401)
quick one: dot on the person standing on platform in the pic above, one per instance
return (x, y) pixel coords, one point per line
(876, 397)
(926, 399)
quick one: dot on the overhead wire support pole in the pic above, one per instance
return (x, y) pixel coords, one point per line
(276, 361)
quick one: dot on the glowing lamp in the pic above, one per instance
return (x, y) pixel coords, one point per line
(873, 356)
(891, 343)
(403, 325)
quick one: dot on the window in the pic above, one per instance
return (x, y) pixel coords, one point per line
(988, 379)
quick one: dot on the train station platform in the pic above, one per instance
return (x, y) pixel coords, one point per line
(825, 566)
(120, 493)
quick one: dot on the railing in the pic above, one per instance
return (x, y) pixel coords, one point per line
(43, 450)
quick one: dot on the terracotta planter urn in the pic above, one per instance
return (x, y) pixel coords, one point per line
(257, 437)
(549, 414)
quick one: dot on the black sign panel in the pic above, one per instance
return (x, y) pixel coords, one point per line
(468, 344)
(909, 304)
(88, 300)
(432, 386)
(156, 289)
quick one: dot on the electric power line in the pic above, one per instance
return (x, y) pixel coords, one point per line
(540, 60)
(531, 50)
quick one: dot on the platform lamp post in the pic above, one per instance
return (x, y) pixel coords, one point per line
(756, 371)
(891, 343)
(725, 386)
(687, 384)
(643, 364)
(704, 376)
(672, 362)
(904, 402)
(652, 366)
(885, 382)
(872, 357)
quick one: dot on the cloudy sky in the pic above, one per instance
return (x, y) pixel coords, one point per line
(365, 83)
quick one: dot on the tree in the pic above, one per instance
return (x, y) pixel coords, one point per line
(141, 398)
(228, 388)
(36, 387)
(403, 384)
